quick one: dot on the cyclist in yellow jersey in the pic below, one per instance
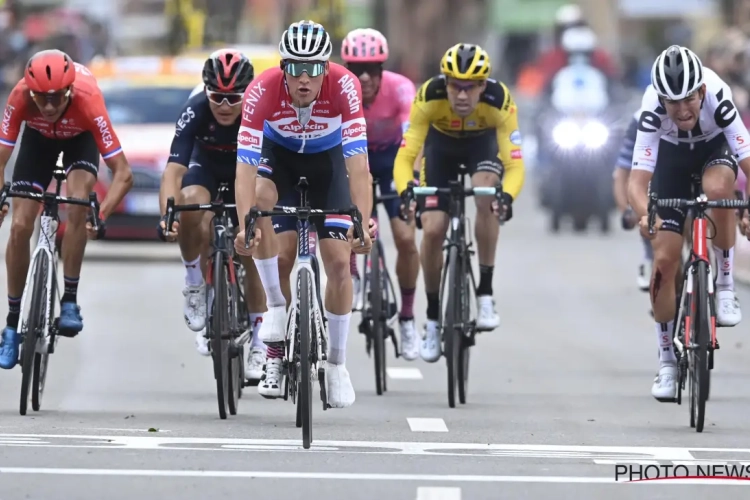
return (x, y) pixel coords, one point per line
(461, 117)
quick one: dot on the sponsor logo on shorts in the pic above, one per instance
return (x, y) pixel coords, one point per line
(431, 202)
(516, 154)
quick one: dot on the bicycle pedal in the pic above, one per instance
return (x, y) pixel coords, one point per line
(67, 333)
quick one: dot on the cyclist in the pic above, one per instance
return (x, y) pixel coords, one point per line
(305, 119)
(387, 99)
(64, 112)
(461, 117)
(620, 189)
(203, 155)
(688, 116)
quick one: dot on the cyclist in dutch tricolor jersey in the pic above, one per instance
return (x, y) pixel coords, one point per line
(305, 119)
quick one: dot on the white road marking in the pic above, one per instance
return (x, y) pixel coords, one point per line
(427, 425)
(404, 373)
(352, 476)
(112, 429)
(428, 493)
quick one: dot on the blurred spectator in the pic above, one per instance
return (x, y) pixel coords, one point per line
(727, 55)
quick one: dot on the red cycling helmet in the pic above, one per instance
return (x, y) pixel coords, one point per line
(228, 70)
(49, 71)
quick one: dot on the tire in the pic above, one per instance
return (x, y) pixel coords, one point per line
(304, 404)
(580, 222)
(235, 353)
(41, 361)
(465, 339)
(699, 369)
(555, 222)
(378, 317)
(219, 329)
(37, 311)
(451, 336)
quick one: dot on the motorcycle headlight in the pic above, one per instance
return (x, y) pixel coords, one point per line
(566, 134)
(595, 134)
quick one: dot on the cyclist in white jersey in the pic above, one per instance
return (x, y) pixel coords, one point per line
(688, 125)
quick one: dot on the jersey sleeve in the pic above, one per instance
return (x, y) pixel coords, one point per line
(727, 117)
(13, 116)
(185, 128)
(100, 126)
(414, 137)
(353, 124)
(256, 105)
(648, 132)
(509, 144)
(406, 92)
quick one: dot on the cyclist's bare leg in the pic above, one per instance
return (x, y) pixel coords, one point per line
(79, 184)
(287, 257)
(718, 183)
(407, 261)
(194, 237)
(255, 300)
(486, 231)
(193, 229)
(17, 254)
(434, 228)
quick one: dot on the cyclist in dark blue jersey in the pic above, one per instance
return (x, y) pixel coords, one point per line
(204, 155)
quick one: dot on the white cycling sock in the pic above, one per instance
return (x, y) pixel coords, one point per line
(268, 270)
(256, 319)
(193, 273)
(338, 331)
(664, 336)
(724, 274)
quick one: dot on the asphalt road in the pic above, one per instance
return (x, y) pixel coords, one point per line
(558, 396)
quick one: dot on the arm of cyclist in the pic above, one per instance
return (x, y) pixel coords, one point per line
(645, 154)
(621, 176)
(412, 144)
(179, 161)
(510, 153)
(13, 116)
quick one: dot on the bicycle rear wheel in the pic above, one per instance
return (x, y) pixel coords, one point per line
(218, 331)
(305, 330)
(451, 335)
(701, 339)
(378, 317)
(35, 322)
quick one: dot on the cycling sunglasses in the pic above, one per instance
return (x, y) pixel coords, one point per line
(53, 98)
(466, 86)
(372, 69)
(312, 69)
(219, 98)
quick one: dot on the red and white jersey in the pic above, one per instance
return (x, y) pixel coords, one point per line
(335, 117)
(85, 113)
(718, 115)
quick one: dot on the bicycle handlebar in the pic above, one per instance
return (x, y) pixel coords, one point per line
(172, 209)
(702, 203)
(412, 191)
(252, 217)
(45, 197)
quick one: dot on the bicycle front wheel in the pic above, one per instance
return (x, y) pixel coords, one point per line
(305, 330)
(701, 340)
(467, 334)
(31, 329)
(378, 317)
(218, 334)
(451, 335)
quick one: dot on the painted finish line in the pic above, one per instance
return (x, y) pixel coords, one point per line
(353, 476)
(604, 455)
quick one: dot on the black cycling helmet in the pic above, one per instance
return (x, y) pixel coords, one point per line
(228, 70)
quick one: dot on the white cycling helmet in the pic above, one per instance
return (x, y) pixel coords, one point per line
(306, 41)
(676, 73)
(579, 39)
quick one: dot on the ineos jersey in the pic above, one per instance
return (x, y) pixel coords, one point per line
(718, 115)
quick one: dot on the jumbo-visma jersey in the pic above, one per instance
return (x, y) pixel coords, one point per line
(335, 117)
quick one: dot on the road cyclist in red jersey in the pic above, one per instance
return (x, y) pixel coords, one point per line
(65, 113)
(305, 119)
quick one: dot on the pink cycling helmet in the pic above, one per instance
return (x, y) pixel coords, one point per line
(364, 45)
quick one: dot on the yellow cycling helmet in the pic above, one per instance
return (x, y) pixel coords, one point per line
(466, 61)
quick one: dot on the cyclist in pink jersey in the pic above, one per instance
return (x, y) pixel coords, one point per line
(387, 100)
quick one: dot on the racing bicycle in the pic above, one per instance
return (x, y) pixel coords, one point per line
(39, 318)
(227, 328)
(380, 307)
(306, 341)
(695, 321)
(458, 285)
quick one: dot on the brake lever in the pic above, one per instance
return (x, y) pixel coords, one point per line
(356, 216)
(94, 204)
(250, 220)
(170, 215)
(4, 195)
(652, 204)
(407, 198)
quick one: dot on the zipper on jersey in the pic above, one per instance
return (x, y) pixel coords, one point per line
(304, 127)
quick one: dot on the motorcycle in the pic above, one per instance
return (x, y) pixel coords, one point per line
(579, 144)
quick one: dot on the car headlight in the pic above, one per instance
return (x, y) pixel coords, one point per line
(566, 134)
(595, 134)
